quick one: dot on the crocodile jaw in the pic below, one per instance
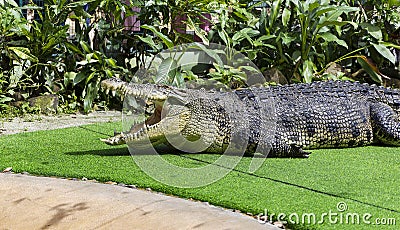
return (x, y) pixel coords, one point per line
(144, 91)
(142, 135)
(165, 120)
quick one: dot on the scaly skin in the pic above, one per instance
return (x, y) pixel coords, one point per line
(277, 121)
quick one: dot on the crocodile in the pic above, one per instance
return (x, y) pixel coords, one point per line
(275, 121)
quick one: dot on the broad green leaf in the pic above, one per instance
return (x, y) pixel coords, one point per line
(336, 23)
(225, 37)
(257, 43)
(83, 62)
(276, 5)
(31, 7)
(311, 5)
(263, 21)
(286, 16)
(265, 37)
(250, 32)
(166, 71)
(97, 55)
(332, 13)
(342, 43)
(178, 80)
(329, 37)
(8, 2)
(249, 68)
(198, 31)
(210, 52)
(69, 77)
(149, 41)
(251, 54)
(322, 10)
(385, 52)
(163, 37)
(287, 39)
(111, 62)
(79, 77)
(308, 71)
(15, 75)
(89, 57)
(240, 14)
(370, 68)
(4, 99)
(90, 77)
(374, 31)
(245, 33)
(23, 53)
(85, 46)
(90, 94)
(79, 3)
(54, 39)
(109, 73)
(73, 48)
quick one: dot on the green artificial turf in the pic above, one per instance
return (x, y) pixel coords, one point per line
(367, 179)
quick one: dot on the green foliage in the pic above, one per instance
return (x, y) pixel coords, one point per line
(216, 64)
(93, 68)
(40, 58)
(300, 38)
(228, 75)
(11, 25)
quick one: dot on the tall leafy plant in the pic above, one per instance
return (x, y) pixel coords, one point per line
(94, 67)
(374, 41)
(305, 32)
(305, 37)
(13, 56)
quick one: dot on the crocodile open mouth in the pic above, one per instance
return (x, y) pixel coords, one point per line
(153, 99)
(153, 111)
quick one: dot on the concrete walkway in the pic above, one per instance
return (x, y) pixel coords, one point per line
(28, 202)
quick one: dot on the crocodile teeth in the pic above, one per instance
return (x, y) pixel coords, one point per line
(123, 88)
(128, 138)
(107, 90)
(113, 93)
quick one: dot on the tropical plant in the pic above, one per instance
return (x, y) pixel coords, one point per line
(303, 38)
(93, 68)
(12, 24)
(40, 56)
(375, 39)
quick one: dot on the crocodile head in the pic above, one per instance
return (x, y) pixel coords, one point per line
(176, 119)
